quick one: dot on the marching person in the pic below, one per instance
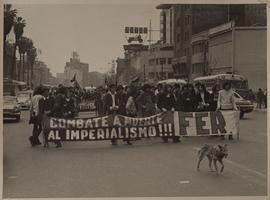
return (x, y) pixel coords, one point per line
(111, 105)
(46, 108)
(58, 109)
(204, 98)
(189, 100)
(167, 102)
(36, 116)
(122, 98)
(226, 100)
(69, 105)
(131, 110)
(146, 102)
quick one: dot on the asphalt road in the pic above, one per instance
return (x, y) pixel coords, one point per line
(148, 168)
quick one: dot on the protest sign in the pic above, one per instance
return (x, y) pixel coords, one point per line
(166, 124)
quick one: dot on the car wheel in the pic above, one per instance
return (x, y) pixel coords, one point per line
(242, 115)
(18, 119)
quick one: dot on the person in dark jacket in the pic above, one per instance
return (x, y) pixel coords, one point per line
(46, 107)
(69, 105)
(260, 98)
(111, 105)
(189, 100)
(166, 102)
(122, 97)
(146, 102)
(58, 109)
(204, 99)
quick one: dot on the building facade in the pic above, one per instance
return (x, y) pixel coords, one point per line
(189, 20)
(72, 68)
(150, 66)
(241, 50)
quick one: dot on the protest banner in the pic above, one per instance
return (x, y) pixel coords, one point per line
(167, 124)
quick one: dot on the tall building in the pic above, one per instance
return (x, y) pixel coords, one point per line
(76, 67)
(191, 19)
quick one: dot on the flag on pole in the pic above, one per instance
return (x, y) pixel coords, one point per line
(73, 79)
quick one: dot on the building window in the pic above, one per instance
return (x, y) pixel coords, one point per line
(197, 68)
(156, 61)
(169, 61)
(170, 75)
(186, 37)
(187, 19)
(198, 48)
(178, 38)
(162, 61)
(186, 52)
(178, 22)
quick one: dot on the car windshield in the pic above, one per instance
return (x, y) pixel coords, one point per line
(9, 100)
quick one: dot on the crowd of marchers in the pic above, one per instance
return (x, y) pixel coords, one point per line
(132, 101)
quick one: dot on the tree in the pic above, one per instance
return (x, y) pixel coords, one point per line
(23, 45)
(31, 57)
(18, 27)
(9, 18)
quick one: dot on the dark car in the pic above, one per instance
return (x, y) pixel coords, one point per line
(11, 108)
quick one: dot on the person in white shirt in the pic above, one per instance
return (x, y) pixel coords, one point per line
(226, 100)
(35, 116)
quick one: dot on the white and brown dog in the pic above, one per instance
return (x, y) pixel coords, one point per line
(213, 154)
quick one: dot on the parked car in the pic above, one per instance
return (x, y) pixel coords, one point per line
(11, 108)
(24, 99)
(244, 106)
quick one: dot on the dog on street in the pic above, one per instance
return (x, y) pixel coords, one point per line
(214, 154)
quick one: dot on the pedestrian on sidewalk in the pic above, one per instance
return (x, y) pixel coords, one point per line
(260, 98)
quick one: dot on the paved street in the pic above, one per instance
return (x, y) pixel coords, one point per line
(147, 168)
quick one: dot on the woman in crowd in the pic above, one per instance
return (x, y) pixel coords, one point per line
(204, 99)
(188, 99)
(166, 102)
(226, 100)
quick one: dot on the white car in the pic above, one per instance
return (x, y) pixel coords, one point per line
(24, 99)
(11, 108)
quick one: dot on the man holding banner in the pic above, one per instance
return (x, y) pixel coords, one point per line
(111, 104)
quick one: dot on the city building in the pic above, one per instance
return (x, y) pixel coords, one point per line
(74, 68)
(190, 19)
(41, 75)
(241, 50)
(150, 65)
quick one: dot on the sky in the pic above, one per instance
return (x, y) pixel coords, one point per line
(95, 31)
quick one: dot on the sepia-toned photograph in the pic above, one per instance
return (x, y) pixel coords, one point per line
(142, 99)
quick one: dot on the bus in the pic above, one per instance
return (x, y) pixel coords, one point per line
(239, 83)
(12, 87)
